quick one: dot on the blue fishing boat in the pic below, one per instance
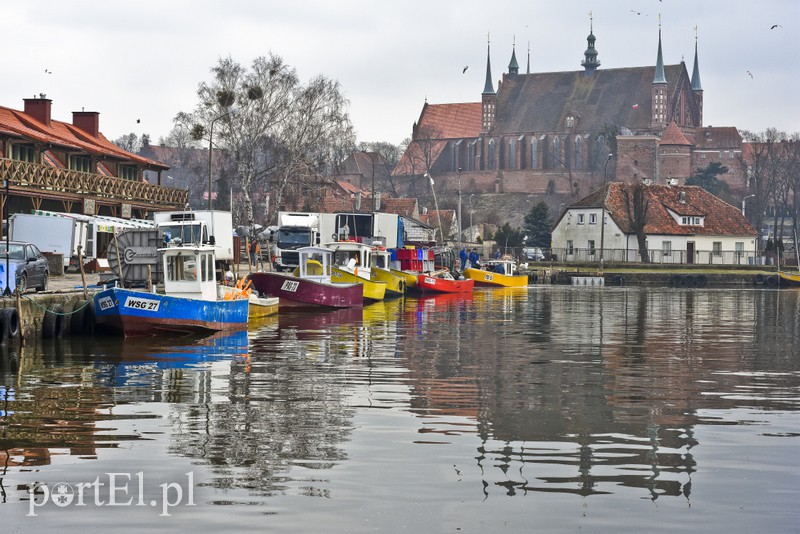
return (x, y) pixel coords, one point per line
(191, 302)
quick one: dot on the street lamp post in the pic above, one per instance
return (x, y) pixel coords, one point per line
(436, 205)
(603, 212)
(210, 148)
(470, 213)
(744, 200)
(7, 290)
(459, 208)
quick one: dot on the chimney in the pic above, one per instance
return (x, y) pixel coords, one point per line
(88, 121)
(39, 108)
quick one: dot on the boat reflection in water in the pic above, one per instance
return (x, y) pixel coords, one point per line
(135, 359)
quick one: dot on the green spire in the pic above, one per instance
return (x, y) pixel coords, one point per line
(696, 86)
(513, 66)
(659, 77)
(488, 88)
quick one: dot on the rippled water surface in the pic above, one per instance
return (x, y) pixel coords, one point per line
(538, 409)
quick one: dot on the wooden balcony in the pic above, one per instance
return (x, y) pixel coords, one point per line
(49, 182)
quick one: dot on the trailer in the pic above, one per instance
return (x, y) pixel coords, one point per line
(51, 234)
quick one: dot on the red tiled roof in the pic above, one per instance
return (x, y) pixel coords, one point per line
(718, 137)
(451, 121)
(67, 136)
(400, 206)
(674, 136)
(720, 218)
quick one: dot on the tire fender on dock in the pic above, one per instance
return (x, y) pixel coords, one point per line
(54, 322)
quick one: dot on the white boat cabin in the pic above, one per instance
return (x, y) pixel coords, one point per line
(381, 259)
(500, 266)
(189, 272)
(314, 263)
(352, 257)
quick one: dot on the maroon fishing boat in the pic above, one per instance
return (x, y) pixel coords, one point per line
(309, 286)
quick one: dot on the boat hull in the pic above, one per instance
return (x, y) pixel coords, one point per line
(493, 279)
(410, 279)
(295, 292)
(432, 284)
(789, 279)
(140, 313)
(395, 284)
(372, 290)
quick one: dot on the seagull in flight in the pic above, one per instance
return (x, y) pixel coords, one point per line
(464, 69)
(48, 71)
(750, 74)
(775, 26)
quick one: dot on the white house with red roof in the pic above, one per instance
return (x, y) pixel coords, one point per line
(682, 224)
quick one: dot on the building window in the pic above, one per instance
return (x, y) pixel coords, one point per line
(684, 221)
(578, 153)
(592, 218)
(570, 121)
(454, 157)
(512, 154)
(716, 248)
(666, 248)
(570, 249)
(696, 221)
(739, 247)
(556, 152)
(23, 153)
(491, 155)
(591, 247)
(127, 172)
(534, 153)
(580, 218)
(80, 163)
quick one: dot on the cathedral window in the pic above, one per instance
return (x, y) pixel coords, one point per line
(556, 151)
(570, 121)
(491, 155)
(534, 153)
(578, 153)
(512, 154)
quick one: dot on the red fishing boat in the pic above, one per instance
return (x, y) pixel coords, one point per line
(443, 282)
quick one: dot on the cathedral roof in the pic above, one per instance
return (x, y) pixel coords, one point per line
(540, 102)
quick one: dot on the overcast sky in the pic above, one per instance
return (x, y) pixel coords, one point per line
(143, 59)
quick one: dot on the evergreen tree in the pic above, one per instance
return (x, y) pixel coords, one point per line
(538, 225)
(507, 237)
(707, 178)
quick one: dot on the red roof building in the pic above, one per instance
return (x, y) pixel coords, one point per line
(60, 166)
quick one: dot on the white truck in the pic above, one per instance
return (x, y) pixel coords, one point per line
(297, 230)
(52, 233)
(201, 226)
(386, 228)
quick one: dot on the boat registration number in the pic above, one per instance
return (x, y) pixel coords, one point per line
(489, 278)
(290, 285)
(431, 281)
(106, 303)
(142, 304)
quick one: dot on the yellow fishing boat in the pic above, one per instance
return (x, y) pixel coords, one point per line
(409, 278)
(789, 279)
(258, 306)
(352, 264)
(497, 273)
(381, 272)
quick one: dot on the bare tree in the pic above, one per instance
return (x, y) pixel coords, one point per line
(129, 142)
(637, 203)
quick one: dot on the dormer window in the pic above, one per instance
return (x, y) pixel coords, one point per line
(570, 121)
(692, 221)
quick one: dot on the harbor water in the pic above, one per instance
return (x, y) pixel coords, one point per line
(541, 409)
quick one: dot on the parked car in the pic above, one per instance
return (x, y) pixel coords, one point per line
(26, 262)
(533, 254)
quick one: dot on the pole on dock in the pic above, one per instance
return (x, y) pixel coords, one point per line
(83, 273)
